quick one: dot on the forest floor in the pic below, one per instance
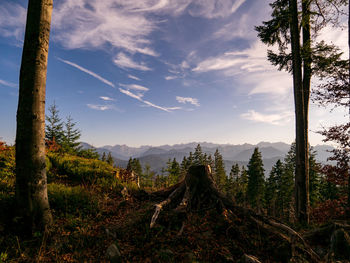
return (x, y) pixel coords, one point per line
(83, 235)
(89, 218)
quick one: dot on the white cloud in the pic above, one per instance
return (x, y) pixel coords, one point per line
(274, 119)
(8, 84)
(170, 77)
(12, 20)
(105, 98)
(250, 68)
(214, 9)
(185, 100)
(133, 77)
(218, 63)
(139, 97)
(337, 36)
(160, 107)
(134, 87)
(132, 95)
(124, 61)
(101, 107)
(95, 24)
(107, 82)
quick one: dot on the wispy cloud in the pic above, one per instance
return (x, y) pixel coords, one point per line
(251, 68)
(12, 20)
(105, 98)
(124, 61)
(274, 119)
(134, 87)
(132, 95)
(93, 74)
(8, 84)
(133, 77)
(185, 100)
(101, 107)
(214, 9)
(170, 77)
(139, 97)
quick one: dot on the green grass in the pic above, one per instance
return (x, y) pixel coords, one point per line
(74, 200)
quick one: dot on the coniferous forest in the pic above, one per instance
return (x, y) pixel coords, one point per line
(63, 202)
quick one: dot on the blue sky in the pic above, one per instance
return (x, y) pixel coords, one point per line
(153, 72)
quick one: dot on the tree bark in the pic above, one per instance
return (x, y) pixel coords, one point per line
(301, 190)
(307, 60)
(31, 185)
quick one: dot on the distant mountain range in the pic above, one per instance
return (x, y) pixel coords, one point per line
(157, 157)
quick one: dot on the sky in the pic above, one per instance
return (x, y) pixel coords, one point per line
(154, 72)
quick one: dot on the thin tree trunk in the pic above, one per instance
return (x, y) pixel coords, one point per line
(31, 185)
(348, 214)
(300, 176)
(306, 92)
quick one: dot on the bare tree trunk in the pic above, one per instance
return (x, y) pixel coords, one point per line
(31, 185)
(300, 175)
(348, 214)
(306, 92)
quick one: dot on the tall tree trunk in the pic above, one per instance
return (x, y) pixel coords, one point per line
(349, 106)
(300, 175)
(307, 60)
(31, 185)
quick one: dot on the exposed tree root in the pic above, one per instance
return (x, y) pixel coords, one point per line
(197, 193)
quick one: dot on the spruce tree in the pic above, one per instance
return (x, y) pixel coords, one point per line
(136, 167)
(220, 177)
(174, 171)
(234, 173)
(71, 136)
(198, 158)
(284, 30)
(286, 185)
(255, 191)
(210, 161)
(103, 158)
(242, 186)
(129, 165)
(315, 179)
(110, 160)
(190, 160)
(54, 125)
(271, 189)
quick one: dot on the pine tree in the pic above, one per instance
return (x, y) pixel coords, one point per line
(271, 189)
(233, 186)
(285, 185)
(110, 160)
(220, 177)
(103, 158)
(234, 173)
(136, 167)
(129, 165)
(198, 158)
(147, 176)
(174, 171)
(210, 161)
(190, 160)
(242, 186)
(54, 125)
(255, 191)
(315, 179)
(71, 136)
(304, 60)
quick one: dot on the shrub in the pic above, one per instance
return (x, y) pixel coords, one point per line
(7, 167)
(71, 200)
(80, 169)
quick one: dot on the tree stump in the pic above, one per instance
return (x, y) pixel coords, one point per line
(197, 193)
